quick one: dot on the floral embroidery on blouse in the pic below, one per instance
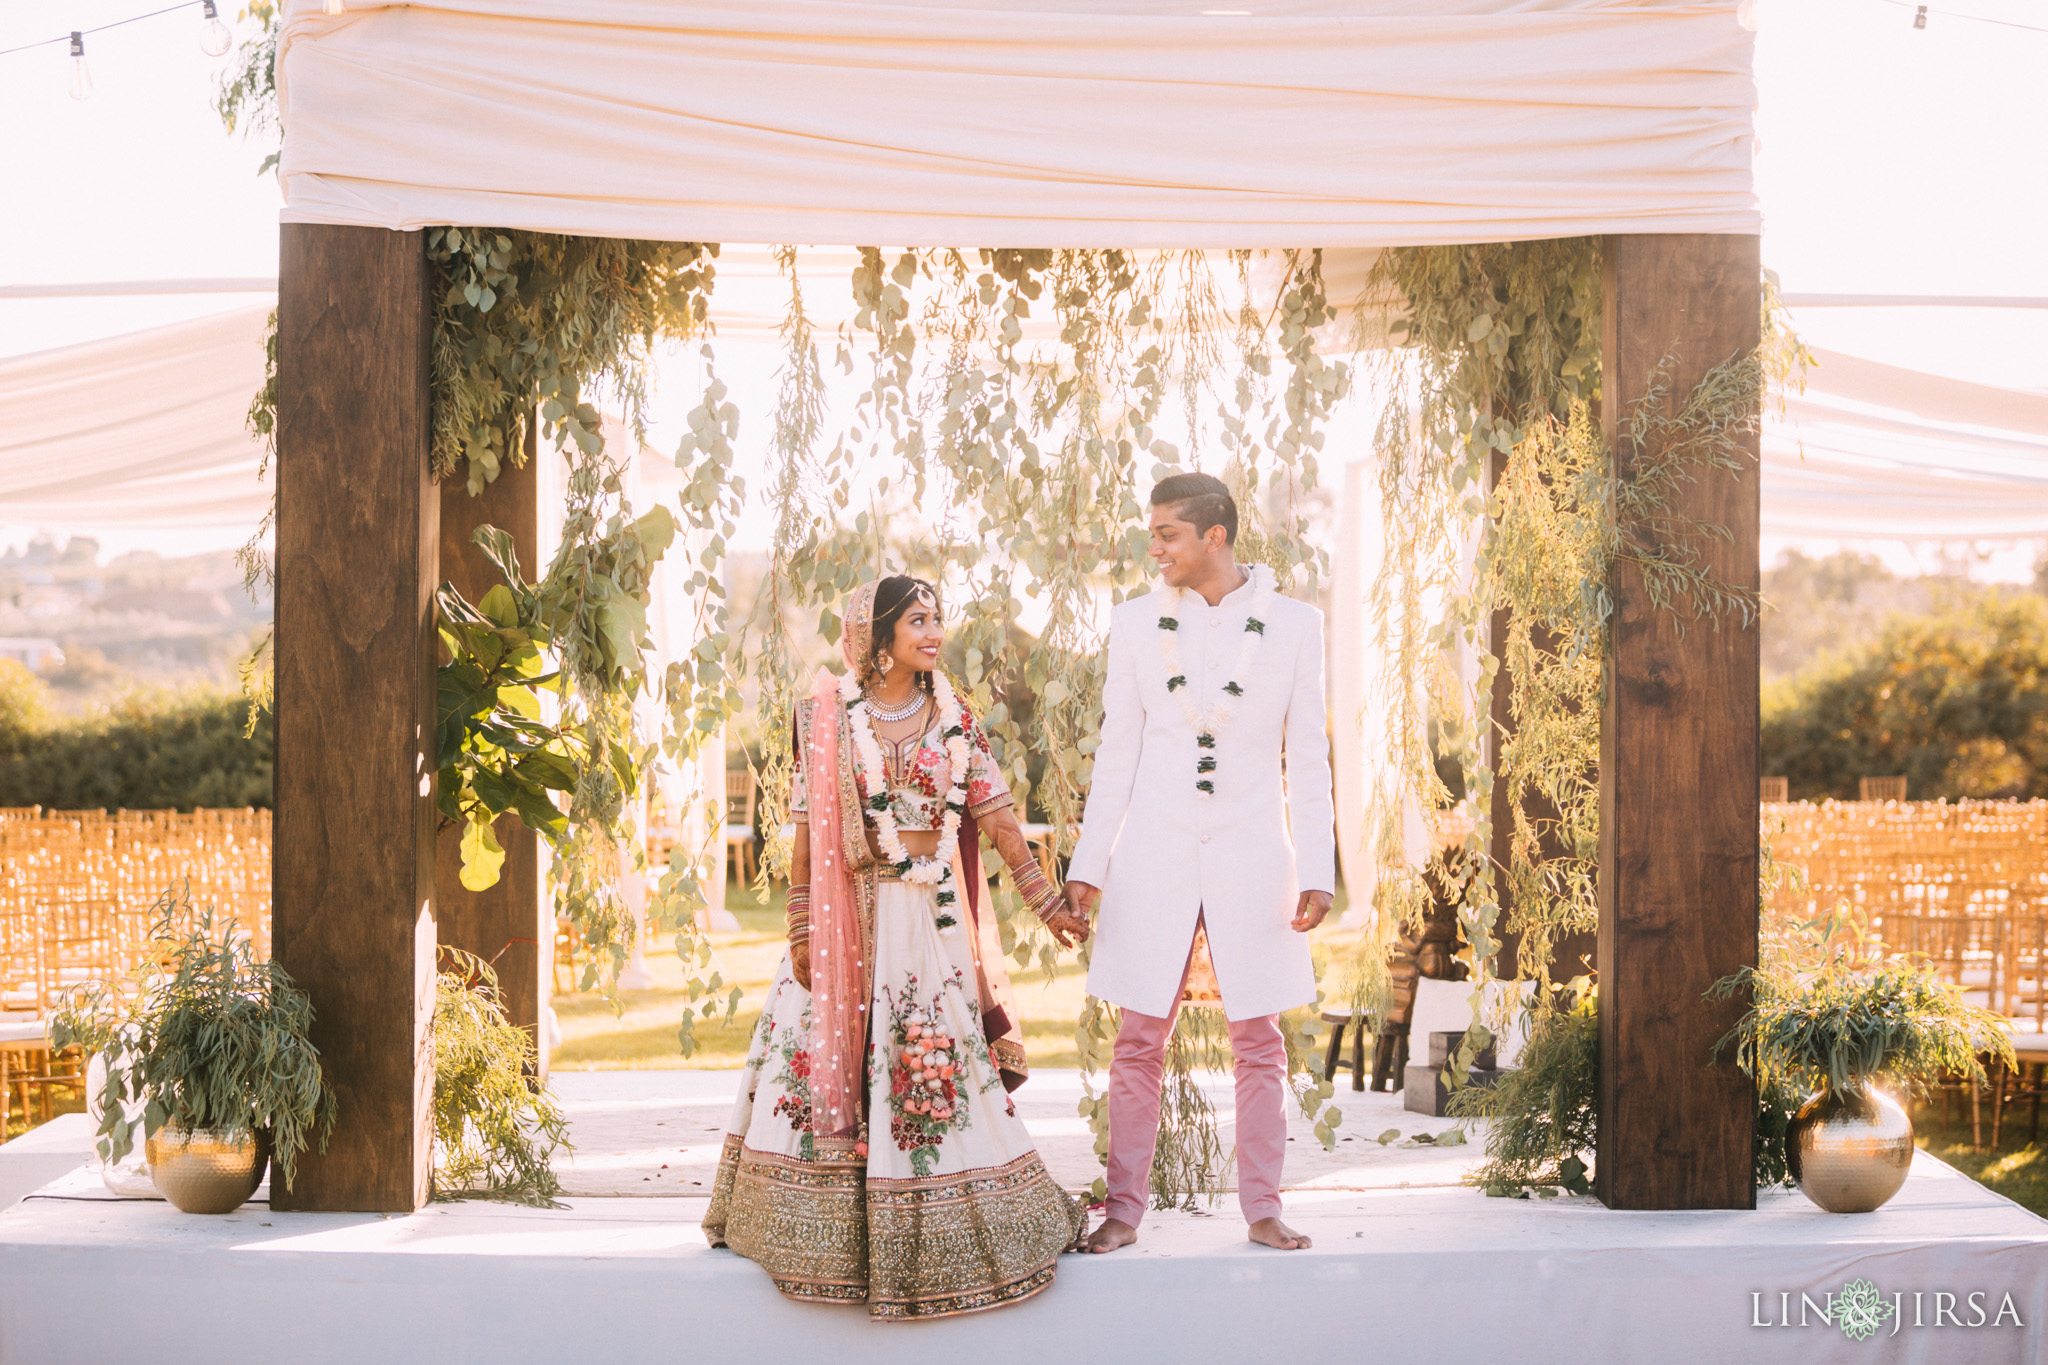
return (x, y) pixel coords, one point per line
(917, 797)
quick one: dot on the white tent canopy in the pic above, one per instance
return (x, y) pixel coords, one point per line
(146, 429)
(1872, 451)
(993, 122)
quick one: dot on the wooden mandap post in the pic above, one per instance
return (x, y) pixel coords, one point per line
(1678, 768)
(505, 925)
(358, 551)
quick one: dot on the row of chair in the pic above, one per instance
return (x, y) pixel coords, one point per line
(1963, 883)
(79, 895)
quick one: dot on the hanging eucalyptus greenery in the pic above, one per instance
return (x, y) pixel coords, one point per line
(1502, 504)
(527, 326)
(1012, 405)
(1013, 402)
(1009, 423)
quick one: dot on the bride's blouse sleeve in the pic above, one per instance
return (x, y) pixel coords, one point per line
(986, 789)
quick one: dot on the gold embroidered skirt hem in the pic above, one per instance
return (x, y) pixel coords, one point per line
(938, 1246)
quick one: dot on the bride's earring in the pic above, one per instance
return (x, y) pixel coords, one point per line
(884, 664)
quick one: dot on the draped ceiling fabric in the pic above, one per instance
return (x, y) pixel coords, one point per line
(1874, 451)
(1141, 123)
(147, 429)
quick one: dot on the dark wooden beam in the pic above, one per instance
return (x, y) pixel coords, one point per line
(506, 925)
(1678, 770)
(358, 549)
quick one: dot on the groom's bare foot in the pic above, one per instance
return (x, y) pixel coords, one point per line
(1271, 1232)
(1113, 1233)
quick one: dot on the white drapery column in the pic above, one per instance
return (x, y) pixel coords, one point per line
(1361, 711)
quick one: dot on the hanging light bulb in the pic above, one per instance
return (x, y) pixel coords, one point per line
(81, 76)
(214, 39)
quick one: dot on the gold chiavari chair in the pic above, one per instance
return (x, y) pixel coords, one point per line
(1963, 883)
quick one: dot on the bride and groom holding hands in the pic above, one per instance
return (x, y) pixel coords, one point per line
(874, 1155)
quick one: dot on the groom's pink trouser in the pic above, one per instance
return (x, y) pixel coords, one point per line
(1260, 1053)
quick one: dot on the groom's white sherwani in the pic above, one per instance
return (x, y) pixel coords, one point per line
(1163, 855)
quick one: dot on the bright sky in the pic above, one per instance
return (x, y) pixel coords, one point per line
(1892, 161)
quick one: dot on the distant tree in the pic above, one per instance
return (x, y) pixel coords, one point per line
(24, 703)
(1820, 606)
(145, 752)
(1957, 701)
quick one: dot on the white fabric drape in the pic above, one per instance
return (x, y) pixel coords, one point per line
(937, 122)
(147, 429)
(1873, 450)
(1362, 692)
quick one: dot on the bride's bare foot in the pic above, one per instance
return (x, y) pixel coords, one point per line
(1271, 1232)
(1113, 1233)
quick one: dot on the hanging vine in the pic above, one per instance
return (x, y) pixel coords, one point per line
(1012, 403)
(1502, 502)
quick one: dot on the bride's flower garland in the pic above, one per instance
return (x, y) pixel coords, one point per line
(1209, 721)
(936, 870)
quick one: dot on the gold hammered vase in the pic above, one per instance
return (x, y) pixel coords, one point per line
(1850, 1153)
(204, 1171)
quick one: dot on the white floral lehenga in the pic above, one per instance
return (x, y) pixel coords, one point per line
(949, 1209)
(934, 1202)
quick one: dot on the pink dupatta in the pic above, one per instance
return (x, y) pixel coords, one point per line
(839, 995)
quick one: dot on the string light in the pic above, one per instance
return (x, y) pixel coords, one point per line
(1921, 12)
(214, 39)
(81, 75)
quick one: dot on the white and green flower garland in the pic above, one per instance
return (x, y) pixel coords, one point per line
(1208, 721)
(936, 870)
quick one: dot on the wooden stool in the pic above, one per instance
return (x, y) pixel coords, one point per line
(1339, 1021)
(1390, 1058)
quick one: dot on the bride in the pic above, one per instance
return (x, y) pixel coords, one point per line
(874, 1155)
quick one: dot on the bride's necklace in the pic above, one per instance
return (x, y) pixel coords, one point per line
(1208, 721)
(936, 870)
(890, 715)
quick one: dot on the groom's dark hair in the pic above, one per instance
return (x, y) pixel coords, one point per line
(1200, 499)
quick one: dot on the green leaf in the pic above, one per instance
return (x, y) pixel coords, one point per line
(482, 858)
(499, 548)
(500, 607)
(656, 532)
(1391, 1135)
(622, 619)
(521, 700)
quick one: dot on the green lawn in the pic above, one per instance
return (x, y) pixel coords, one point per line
(640, 1030)
(2017, 1168)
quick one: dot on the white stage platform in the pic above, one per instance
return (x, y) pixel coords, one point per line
(1427, 1273)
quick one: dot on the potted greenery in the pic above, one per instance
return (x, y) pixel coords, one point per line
(1831, 1033)
(215, 1045)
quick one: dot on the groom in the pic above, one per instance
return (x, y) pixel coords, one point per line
(1190, 823)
